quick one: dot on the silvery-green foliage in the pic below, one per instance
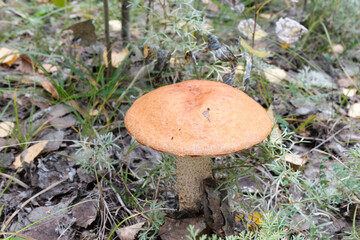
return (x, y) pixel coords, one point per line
(97, 153)
(176, 25)
(310, 78)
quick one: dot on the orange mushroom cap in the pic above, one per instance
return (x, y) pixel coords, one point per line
(197, 118)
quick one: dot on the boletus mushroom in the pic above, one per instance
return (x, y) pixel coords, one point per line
(196, 120)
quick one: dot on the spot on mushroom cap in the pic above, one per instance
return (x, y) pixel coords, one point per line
(197, 118)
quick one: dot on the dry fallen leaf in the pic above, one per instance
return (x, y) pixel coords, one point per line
(349, 92)
(8, 56)
(48, 86)
(85, 31)
(130, 232)
(266, 16)
(28, 155)
(49, 68)
(258, 53)
(275, 75)
(6, 128)
(354, 110)
(289, 30)
(346, 82)
(26, 64)
(115, 25)
(116, 57)
(85, 213)
(295, 159)
(246, 27)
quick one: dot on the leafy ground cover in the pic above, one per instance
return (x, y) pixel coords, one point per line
(70, 170)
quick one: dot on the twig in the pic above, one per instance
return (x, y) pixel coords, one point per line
(328, 139)
(17, 234)
(147, 25)
(125, 22)
(13, 178)
(107, 38)
(7, 222)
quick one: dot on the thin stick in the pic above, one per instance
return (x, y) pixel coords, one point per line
(107, 38)
(17, 234)
(13, 178)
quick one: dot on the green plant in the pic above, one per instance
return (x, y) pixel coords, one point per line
(155, 220)
(97, 153)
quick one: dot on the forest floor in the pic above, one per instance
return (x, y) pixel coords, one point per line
(70, 170)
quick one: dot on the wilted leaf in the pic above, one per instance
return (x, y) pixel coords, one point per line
(8, 56)
(6, 128)
(295, 159)
(26, 64)
(346, 82)
(116, 57)
(246, 27)
(84, 31)
(354, 110)
(28, 155)
(85, 213)
(349, 92)
(266, 16)
(275, 75)
(115, 25)
(258, 53)
(173, 228)
(130, 232)
(55, 139)
(289, 30)
(48, 86)
(49, 68)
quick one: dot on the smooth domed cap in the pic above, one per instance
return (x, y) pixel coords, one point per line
(198, 118)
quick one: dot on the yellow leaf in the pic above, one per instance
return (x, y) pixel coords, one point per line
(6, 128)
(285, 45)
(258, 53)
(29, 154)
(8, 56)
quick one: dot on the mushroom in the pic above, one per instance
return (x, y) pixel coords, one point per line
(196, 120)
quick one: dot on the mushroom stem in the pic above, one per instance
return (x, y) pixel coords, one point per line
(190, 173)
